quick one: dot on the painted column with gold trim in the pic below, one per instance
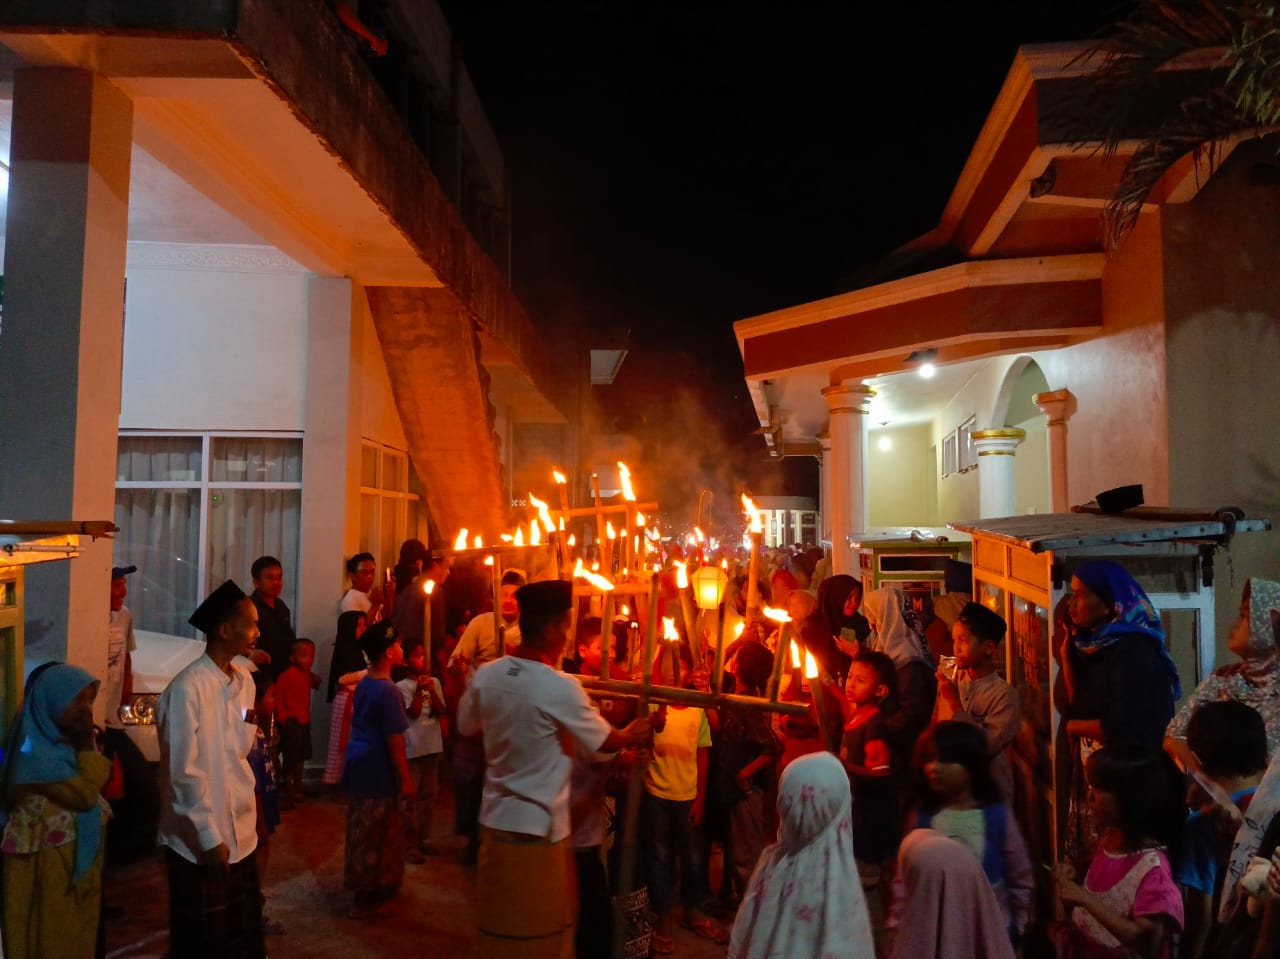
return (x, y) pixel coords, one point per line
(847, 403)
(996, 489)
(1057, 406)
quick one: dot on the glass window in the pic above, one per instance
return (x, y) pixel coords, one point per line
(247, 523)
(159, 459)
(160, 534)
(256, 459)
(368, 466)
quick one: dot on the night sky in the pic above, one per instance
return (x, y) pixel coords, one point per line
(679, 166)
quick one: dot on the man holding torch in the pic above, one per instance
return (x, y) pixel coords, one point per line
(524, 708)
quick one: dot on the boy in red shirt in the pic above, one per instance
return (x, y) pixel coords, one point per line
(293, 713)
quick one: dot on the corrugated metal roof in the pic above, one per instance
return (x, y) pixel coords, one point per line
(1042, 532)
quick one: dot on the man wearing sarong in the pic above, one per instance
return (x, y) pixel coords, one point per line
(208, 818)
(525, 708)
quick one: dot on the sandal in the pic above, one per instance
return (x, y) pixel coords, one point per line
(708, 929)
(663, 945)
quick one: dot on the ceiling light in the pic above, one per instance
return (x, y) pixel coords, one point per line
(924, 360)
(927, 371)
(885, 443)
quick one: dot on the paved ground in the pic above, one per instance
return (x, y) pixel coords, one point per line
(433, 915)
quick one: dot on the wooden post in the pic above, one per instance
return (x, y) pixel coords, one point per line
(427, 587)
(601, 539)
(606, 633)
(631, 824)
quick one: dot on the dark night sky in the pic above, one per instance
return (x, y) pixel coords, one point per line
(679, 166)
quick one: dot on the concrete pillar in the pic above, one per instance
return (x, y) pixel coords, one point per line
(330, 467)
(61, 347)
(996, 487)
(847, 403)
(824, 488)
(1057, 406)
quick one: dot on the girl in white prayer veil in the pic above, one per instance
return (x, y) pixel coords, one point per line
(804, 899)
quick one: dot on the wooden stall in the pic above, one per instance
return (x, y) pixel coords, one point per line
(1022, 569)
(911, 564)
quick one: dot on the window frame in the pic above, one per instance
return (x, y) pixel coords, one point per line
(371, 540)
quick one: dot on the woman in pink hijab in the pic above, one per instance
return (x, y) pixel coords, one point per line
(949, 911)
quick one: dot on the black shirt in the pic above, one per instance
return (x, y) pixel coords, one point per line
(1127, 687)
(276, 628)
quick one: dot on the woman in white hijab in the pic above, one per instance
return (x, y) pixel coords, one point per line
(898, 635)
(804, 900)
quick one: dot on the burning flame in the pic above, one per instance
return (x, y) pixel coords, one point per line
(488, 560)
(810, 666)
(595, 579)
(477, 543)
(559, 477)
(626, 610)
(429, 587)
(757, 519)
(724, 564)
(624, 474)
(609, 530)
(669, 632)
(562, 524)
(519, 537)
(506, 537)
(461, 541)
(795, 655)
(595, 565)
(682, 574)
(640, 520)
(776, 614)
(737, 630)
(544, 515)
(700, 536)
(573, 540)
(535, 533)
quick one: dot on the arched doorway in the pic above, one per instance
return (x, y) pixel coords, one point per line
(1014, 407)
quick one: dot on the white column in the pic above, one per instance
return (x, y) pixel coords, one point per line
(66, 232)
(1057, 405)
(847, 403)
(824, 488)
(996, 488)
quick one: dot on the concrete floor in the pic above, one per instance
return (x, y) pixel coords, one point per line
(433, 915)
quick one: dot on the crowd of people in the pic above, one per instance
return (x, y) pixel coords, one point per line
(874, 820)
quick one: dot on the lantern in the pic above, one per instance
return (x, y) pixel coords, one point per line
(708, 586)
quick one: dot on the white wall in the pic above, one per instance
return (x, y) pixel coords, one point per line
(1032, 490)
(214, 338)
(899, 491)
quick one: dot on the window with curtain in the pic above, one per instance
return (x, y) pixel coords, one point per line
(196, 509)
(390, 502)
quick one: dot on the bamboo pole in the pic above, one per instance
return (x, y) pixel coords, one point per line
(631, 825)
(606, 633)
(624, 689)
(601, 538)
(753, 577)
(718, 678)
(779, 657)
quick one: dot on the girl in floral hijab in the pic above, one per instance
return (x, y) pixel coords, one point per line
(804, 899)
(1254, 680)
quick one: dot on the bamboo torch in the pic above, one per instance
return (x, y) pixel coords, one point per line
(427, 588)
(499, 628)
(780, 653)
(756, 531)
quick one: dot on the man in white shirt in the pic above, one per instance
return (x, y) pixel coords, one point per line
(525, 708)
(362, 597)
(208, 820)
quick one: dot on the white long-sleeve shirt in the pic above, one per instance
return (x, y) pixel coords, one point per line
(206, 783)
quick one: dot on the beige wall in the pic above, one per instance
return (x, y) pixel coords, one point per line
(379, 420)
(1222, 257)
(1032, 491)
(899, 487)
(1118, 433)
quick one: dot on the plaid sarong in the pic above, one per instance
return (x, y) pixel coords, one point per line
(214, 914)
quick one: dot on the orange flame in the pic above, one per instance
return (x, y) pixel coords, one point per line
(609, 530)
(737, 629)
(461, 541)
(795, 655)
(776, 614)
(544, 515)
(535, 533)
(429, 587)
(669, 632)
(519, 538)
(682, 574)
(507, 538)
(624, 474)
(477, 543)
(559, 477)
(757, 518)
(626, 610)
(595, 579)
(640, 520)
(699, 535)
(724, 564)
(573, 540)
(488, 560)
(810, 666)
